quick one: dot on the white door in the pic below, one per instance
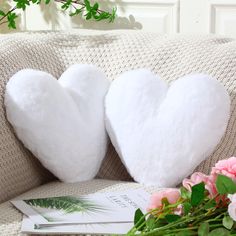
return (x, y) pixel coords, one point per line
(161, 16)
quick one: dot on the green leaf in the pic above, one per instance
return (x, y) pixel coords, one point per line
(2, 13)
(47, 1)
(187, 207)
(12, 20)
(185, 194)
(113, 15)
(210, 204)
(66, 5)
(165, 201)
(160, 222)
(186, 232)
(21, 4)
(203, 229)
(102, 16)
(95, 6)
(198, 194)
(139, 219)
(225, 185)
(151, 223)
(219, 232)
(87, 4)
(172, 218)
(88, 16)
(228, 222)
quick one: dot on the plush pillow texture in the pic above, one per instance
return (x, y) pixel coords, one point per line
(61, 121)
(162, 133)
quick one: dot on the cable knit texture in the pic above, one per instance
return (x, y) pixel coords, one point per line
(114, 52)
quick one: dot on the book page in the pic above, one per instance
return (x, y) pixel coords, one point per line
(113, 207)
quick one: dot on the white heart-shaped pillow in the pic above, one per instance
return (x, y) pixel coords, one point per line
(61, 121)
(161, 133)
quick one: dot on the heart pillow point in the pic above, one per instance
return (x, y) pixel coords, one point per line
(163, 134)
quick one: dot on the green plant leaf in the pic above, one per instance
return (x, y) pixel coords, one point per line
(139, 219)
(186, 232)
(95, 7)
(172, 218)
(210, 204)
(102, 16)
(66, 5)
(113, 15)
(203, 229)
(2, 13)
(12, 20)
(228, 222)
(225, 185)
(88, 16)
(87, 4)
(187, 207)
(219, 232)
(151, 223)
(165, 201)
(198, 194)
(185, 194)
(22, 4)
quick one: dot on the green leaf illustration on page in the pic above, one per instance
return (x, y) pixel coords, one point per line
(67, 204)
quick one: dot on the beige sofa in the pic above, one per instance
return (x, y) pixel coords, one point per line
(21, 175)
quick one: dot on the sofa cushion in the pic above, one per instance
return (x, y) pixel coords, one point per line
(10, 218)
(115, 52)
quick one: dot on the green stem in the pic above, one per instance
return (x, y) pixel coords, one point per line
(10, 11)
(194, 220)
(154, 211)
(4, 22)
(184, 220)
(173, 232)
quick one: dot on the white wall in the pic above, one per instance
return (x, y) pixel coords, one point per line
(162, 16)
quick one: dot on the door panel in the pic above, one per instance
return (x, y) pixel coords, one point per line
(223, 17)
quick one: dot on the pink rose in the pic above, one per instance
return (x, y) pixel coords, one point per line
(225, 167)
(172, 196)
(232, 206)
(199, 177)
(232, 197)
(232, 210)
(179, 210)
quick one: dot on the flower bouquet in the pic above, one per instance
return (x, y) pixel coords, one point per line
(205, 205)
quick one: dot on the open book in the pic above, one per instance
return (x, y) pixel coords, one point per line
(105, 213)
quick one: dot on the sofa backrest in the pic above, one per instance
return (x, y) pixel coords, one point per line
(115, 52)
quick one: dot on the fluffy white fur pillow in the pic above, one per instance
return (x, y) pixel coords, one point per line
(161, 133)
(61, 121)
